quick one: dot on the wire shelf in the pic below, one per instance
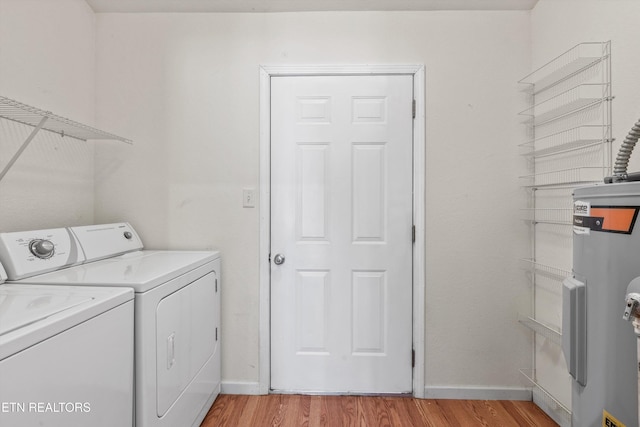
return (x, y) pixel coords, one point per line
(560, 413)
(569, 140)
(22, 113)
(575, 60)
(13, 110)
(570, 101)
(556, 272)
(550, 332)
(565, 178)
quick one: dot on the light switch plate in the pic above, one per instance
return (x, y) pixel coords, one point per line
(248, 198)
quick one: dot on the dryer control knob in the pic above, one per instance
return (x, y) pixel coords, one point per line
(42, 248)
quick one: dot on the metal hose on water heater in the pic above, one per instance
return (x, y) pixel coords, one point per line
(622, 159)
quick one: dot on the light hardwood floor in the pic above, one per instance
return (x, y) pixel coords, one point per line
(345, 411)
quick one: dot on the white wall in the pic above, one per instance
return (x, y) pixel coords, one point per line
(47, 60)
(557, 26)
(185, 88)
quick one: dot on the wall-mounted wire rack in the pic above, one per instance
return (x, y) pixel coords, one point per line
(568, 124)
(45, 120)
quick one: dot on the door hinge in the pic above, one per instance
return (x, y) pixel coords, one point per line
(413, 358)
(413, 233)
(413, 108)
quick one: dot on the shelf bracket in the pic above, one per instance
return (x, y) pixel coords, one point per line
(24, 145)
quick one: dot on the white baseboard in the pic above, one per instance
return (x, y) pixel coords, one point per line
(240, 387)
(430, 392)
(477, 393)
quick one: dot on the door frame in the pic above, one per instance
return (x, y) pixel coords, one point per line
(419, 173)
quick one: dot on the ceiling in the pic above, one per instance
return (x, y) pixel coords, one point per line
(196, 6)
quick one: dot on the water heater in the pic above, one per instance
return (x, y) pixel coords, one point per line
(598, 344)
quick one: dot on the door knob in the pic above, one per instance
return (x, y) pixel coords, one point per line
(278, 259)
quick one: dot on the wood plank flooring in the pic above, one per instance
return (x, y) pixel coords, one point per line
(343, 411)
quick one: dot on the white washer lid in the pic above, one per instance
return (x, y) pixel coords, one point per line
(30, 314)
(140, 270)
(19, 308)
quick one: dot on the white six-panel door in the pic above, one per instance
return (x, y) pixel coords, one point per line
(341, 217)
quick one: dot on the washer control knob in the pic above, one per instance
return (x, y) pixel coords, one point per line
(42, 248)
(128, 235)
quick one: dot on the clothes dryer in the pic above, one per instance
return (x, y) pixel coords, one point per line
(177, 309)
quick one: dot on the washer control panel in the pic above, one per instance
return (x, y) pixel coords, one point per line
(27, 253)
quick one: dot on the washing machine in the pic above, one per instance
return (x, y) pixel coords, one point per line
(177, 309)
(66, 356)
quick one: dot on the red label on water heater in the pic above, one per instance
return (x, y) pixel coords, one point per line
(610, 219)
